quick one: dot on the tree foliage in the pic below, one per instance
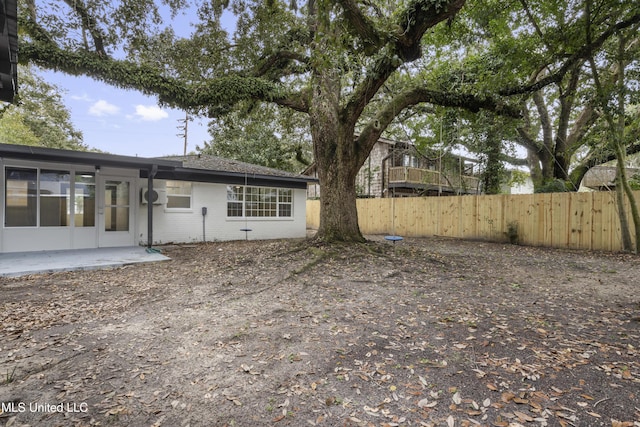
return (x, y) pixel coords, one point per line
(612, 99)
(265, 135)
(542, 54)
(352, 66)
(39, 116)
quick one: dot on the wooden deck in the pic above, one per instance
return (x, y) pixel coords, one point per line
(429, 179)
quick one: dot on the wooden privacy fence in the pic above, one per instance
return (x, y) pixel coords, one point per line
(562, 220)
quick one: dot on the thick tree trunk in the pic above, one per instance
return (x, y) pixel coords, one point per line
(494, 170)
(561, 166)
(547, 167)
(338, 214)
(625, 234)
(336, 162)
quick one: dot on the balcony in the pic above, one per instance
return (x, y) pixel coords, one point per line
(426, 179)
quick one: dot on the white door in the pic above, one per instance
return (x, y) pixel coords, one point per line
(116, 213)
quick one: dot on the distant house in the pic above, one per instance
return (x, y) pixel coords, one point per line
(517, 183)
(603, 178)
(396, 169)
(61, 199)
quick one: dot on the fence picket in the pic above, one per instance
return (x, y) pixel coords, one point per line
(564, 220)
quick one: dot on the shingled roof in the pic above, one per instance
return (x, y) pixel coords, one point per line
(220, 164)
(208, 168)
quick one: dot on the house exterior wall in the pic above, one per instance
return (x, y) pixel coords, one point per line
(41, 238)
(186, 225)
(369, 178)
(170, 225)
(521, 188)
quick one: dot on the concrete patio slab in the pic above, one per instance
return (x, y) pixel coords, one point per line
(24, 263)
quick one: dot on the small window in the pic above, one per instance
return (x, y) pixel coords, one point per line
(55, 198)
(178, 195)
(85, 199)
(235, 200)
(20, 197)
(285, 202)
(261, 202)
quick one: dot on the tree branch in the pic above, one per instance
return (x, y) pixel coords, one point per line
(527, 141)
(534, 23)
(150, 81)
(367, 89)
(89, 23)
(545, 120)
(418, 17)
(581, 126)
(580, 55)
(298, 101)
(362, 26)
(515, 161)
(374, 129)
(274, 62)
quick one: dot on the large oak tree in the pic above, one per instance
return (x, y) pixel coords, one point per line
(347, 64)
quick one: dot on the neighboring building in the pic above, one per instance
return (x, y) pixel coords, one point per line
(60, 199)
(517, 183)
(396, 169)
(603, 178)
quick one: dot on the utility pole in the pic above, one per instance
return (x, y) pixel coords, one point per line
(184, 128)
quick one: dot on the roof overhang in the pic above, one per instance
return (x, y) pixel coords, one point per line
(25, 152)
(8, 49)
(233, 178)
(159, 168)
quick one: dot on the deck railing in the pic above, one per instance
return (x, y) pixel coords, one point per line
(427, 177)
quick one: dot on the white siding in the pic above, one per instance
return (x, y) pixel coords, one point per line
(27, 239)
(172, 226)
(369, 178)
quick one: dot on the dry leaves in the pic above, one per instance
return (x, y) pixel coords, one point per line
(426, 333)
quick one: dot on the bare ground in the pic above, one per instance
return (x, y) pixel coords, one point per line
(427, 332)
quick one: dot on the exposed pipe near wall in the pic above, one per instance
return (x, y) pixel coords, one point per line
(152, 174)
(204, 214)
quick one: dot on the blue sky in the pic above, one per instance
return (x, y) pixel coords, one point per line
(125, 121)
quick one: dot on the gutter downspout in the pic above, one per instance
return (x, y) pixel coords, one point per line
(152, 174)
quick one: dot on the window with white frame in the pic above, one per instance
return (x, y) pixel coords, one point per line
(178, 195)
(285, 202)
(49, 198)
(235, 200)
(260, 202)
(55, 198)
(85, 199)
(21, 197)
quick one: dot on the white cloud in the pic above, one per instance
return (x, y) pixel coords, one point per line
(150, 113)
(84, 97)
(103, 108)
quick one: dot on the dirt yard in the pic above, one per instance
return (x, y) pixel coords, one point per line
(427, 332)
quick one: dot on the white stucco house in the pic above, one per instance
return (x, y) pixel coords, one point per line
(60, 199)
